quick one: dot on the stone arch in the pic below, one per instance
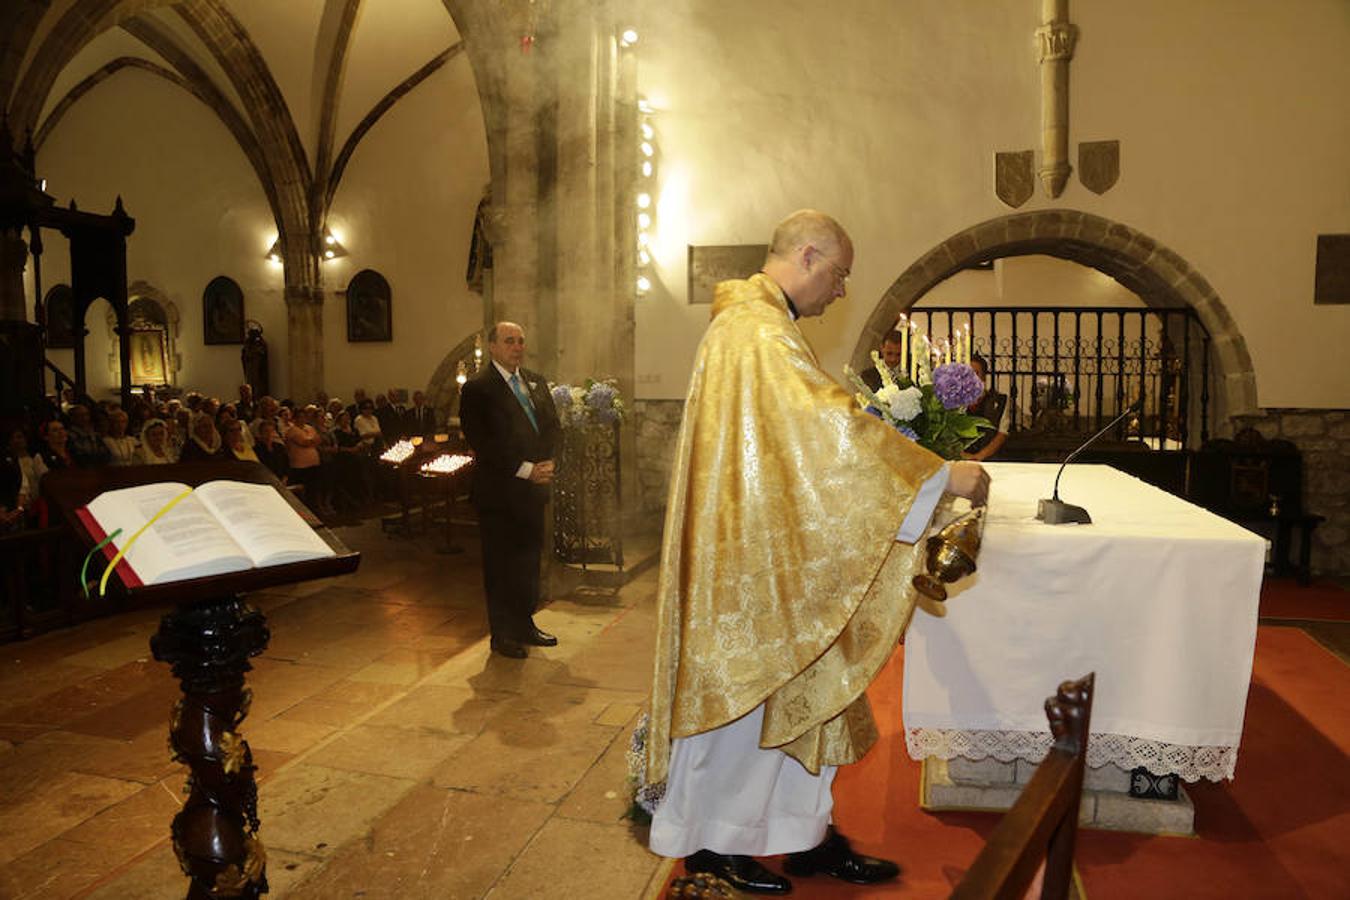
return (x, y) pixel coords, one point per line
(443, 389)
(1160, 277)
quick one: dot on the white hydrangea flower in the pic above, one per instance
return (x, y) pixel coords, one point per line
(889, 395)
(905, 404)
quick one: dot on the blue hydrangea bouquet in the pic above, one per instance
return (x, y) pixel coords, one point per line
(928, 406)
(594, 403)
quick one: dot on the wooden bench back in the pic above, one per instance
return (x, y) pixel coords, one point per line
(1043, 823)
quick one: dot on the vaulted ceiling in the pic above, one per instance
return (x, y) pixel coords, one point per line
(297, 83)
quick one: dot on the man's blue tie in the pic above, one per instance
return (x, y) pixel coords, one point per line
(524, 399)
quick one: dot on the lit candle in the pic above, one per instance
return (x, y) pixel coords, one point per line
(904, 341)
(947, 350)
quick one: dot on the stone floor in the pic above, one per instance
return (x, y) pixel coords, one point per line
(398, 758)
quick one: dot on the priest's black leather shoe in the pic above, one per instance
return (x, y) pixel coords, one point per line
(538, 638)
(744, 873)
(834, 857)
(509, 648)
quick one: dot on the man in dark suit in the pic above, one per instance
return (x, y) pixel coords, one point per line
(993, 406)
(420, 418)
(891, 346)
(508, 417)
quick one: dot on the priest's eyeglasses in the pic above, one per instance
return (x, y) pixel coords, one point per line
(841, 274)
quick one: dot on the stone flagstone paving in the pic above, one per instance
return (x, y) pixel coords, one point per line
(397, 757)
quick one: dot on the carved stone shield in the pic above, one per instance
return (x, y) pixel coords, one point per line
(1098, 165)
(1014, 180)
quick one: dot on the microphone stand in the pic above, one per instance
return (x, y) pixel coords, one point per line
(1053, 511)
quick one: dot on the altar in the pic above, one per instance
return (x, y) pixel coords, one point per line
(1157, 596)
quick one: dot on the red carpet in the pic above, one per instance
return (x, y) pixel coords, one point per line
(1281, 829)
(1284, 598)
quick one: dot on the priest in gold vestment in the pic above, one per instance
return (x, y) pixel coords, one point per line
(791, 535)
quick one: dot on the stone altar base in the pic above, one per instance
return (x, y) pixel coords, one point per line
(991, 785)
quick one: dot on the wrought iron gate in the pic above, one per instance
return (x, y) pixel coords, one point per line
(1076, 368)
(587, 515)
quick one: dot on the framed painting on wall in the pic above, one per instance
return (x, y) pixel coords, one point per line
(223, 312)
(149, 357)
(710, 264)
(369, 308)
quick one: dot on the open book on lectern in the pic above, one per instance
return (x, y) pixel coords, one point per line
(218, 527)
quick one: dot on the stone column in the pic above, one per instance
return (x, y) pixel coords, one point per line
(580, 294)
(304, 297)
(1056, 38)
(515, 192)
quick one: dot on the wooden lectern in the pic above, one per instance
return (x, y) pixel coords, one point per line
(208, 639)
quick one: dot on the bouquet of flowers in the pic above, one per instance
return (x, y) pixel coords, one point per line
(594, 403)
(930, 407)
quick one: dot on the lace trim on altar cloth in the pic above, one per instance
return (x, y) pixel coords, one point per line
(1215, 763)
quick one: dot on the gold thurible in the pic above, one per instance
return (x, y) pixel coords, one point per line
(950, 555)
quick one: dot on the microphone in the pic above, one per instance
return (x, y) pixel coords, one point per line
(1053, 511)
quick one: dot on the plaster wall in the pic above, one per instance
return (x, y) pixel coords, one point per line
(406, 209)
(389, 42)
(107, 46)
(199, 213)
(1031, 281)
(1230, 116)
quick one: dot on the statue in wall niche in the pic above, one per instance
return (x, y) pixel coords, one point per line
(480, 246)
(254, 357)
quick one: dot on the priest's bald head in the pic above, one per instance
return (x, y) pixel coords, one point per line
(810, 258)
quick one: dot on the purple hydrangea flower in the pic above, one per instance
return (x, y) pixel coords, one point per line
(907, 431)
(872, 411)
(562, 396)
(600, 396)
(956, 385)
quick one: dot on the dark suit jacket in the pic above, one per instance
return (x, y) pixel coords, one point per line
(502, 438)
(420, 421)
(871, 377)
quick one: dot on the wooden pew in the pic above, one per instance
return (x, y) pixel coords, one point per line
(1043, 823)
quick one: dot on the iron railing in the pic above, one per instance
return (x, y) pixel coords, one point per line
(1076, 368)
(587, 497)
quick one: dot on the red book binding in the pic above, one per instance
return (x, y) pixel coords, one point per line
(124, 570)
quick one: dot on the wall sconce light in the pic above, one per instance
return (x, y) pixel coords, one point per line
(644, 214)
(628, 38)
(331, 247)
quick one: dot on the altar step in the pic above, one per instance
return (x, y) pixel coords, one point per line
(989, 785)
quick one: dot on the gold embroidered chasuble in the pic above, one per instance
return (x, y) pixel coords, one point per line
(781, 580)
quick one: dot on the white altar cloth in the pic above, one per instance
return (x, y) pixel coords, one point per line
(1157, 596)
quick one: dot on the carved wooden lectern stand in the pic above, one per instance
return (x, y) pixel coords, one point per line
(208, 639)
